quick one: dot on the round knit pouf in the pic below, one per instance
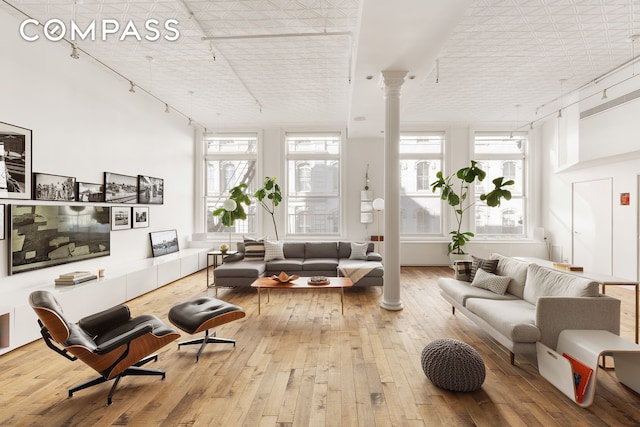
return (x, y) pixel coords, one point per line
(453, 365)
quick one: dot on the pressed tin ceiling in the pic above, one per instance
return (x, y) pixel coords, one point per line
(497, 60)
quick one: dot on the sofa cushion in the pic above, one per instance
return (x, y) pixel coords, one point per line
(515, 319)
(293, 249)
(288, 265)
(344, 249)
(246, 268)
(358, 251)
(320, 264)
(273, 250)
(545, 282)
(320, 250)
(488, 265)
(515, 269)
(374, 256)
(253, 248)
(491, 282)
(460, 291)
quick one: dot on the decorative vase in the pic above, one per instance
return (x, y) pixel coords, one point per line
(224, 248)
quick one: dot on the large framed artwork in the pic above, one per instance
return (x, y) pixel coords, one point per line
(150, 190)
(163, 242)
(47, 235)
(140, 217)
(120, 218)
(54, 187)
(120, 188)
(15, 162)
(89, 192)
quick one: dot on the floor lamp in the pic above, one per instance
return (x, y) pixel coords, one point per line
(378, 205)
(229, 205)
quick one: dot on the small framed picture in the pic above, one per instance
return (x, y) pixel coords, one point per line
(625, 199)
(15, 162)
(120, 188)
(89, 192)
(150, 190)
(2, 222)
(54, 187)
(140, 216)
(120, 218)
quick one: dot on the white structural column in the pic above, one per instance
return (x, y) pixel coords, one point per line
(393, 81)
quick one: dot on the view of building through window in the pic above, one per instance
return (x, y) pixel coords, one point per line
(313, 183)
(230, 160)
(420, 160)
(501, 154)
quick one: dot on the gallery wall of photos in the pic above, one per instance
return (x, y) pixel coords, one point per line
(18, 181)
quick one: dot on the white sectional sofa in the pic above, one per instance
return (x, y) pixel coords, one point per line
(538, 304)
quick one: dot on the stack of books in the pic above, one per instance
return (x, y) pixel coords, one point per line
(568, 267)
(75, 277)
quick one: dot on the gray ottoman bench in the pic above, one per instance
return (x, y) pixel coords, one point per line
(202, 314)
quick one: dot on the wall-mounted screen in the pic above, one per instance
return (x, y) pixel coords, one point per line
(47, 235)
(163, 242)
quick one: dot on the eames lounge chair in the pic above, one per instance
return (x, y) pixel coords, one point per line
(111, 342)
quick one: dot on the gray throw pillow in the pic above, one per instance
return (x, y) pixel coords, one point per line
(359, 251)
(491, 282)
(273, 250)
(488, 265)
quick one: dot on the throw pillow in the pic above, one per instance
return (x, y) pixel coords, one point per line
(253, 249)
(273, 250)
(491, 282)
(358, 251)
(488, 265)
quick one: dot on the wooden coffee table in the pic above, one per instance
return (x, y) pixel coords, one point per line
(301, 283)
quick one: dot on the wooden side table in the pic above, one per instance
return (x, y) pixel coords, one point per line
(214, 259)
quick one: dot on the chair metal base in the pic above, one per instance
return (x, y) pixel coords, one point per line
(207, 339)
(134, 370)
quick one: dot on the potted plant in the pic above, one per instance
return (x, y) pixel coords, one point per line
(271, 191)
(455, 190)
(232, 209)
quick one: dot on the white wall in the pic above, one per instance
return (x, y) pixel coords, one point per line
(606, 150)
(85, 122)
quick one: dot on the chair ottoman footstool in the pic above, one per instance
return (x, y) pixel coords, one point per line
(453, 365)
(202, 314)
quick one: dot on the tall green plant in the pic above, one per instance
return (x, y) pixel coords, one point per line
(455, 189)
(270, 191)
(238, 195)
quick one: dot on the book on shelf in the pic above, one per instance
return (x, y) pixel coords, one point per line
(581, 376)
(567, 267)
(75, 281)
(74, 275)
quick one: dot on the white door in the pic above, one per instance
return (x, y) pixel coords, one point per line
(592, 227)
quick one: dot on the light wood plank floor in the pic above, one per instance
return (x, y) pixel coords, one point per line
(302, 363)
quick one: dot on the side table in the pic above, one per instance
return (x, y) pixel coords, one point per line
(214, 259)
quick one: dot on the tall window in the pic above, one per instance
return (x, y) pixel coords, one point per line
(421, 159)
(230, 160)
(502, 154)
(313, 183)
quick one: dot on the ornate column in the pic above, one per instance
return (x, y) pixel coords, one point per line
(393, 81)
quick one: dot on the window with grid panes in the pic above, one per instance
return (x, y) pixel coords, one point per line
(230, 160)
(420, 160)
(313, 183)
(501, 154)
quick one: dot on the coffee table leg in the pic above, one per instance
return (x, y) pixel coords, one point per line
(258, 300)
(342, 299)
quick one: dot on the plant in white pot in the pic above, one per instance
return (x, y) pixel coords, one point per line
(455, 190)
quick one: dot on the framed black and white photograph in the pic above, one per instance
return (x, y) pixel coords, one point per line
(54, 187)
(15, 162)
(47, 235)
(89, 192)
(163, 242)
(120, 188)
(2, 222)
(120, 218)
(150, 190)
(140, 216)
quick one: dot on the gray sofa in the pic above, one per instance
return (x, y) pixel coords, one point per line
(301, 258)
(538, 304)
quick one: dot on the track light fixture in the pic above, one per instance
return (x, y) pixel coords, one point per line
(166, 108)
(132, 88)
(530, 125)
(190, 121)
(560, 113)
(604, 94)
(74, 51)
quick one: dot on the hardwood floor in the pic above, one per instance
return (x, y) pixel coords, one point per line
(302, 363)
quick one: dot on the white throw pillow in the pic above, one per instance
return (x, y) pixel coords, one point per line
(358, 251)
(273, 250)
(491, 282)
